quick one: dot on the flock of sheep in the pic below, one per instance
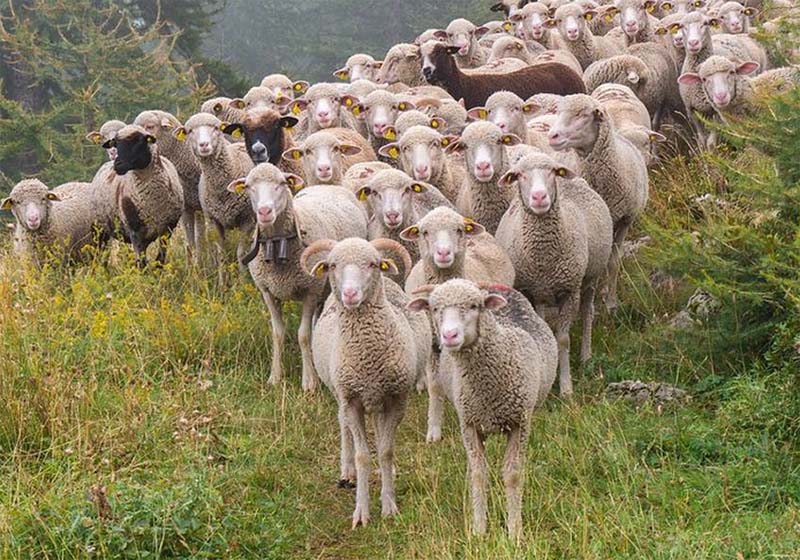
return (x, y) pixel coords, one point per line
(464, 163)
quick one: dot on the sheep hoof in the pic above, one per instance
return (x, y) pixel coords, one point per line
(346, 484)
(434, 435)
(360, 517)
(389, 508)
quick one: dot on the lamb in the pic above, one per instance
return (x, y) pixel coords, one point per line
(62, 222)
(280, 83)
(402, 64)
(328, 154)
(559, 236)
(161, 124)
(149, 191)
(484, 146)
(266, 137)
(420, 152)
(368, 349)
(464, 35)
(285, 225)
(613, 166)
(323, 105)
(732, 92)
(265, 97)
(221, 108)
(106, 133)
(358, 67)
(439, 68)
(501, 364)
(571, 21)
(394, 202)
(511, 47)
(221, 163)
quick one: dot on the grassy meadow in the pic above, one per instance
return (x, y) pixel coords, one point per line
(136, 422)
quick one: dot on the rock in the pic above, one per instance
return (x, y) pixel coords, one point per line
(638, 393)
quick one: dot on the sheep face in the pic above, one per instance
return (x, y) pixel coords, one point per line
(203, 138)
(570, 20)
(133, 151)
(718, 77)
(263, 135)
(671, 25)
(697, 31)
(483, 144)
(421, 152)
(354, 269)
(462, 34)
(536, 179)
(269, 190)
(321, 156)
(734, 17)
(456, 308)
(380, 111)
(399, 62)
(324, 109)
(442, 237)
(30, 203)
(389, 199)
(532, 19)
(437, 61)
(577, 124)
(107, 132)
(633, 15)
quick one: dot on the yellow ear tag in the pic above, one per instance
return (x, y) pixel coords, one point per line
(218, 107)
(52, 196)
(296, 109)
(661, 31)
(348, 101)
(526, 108)
(402, 106)
(414, 230)
(356, 110)
(561, 172)
(650, 8)
(384, 266)
(362, 195)
(714, 23)
(298, 87)
(390, 134)
(508, 26)
(296, 155)
(674, 28)
(394, 153)
(151, 140)
(666, 6)
(236, 134)
(609, 18)
(506, 140)
(445, 142)
(240, 187)
(416, 188)
(320, 270)
(469, 228)
(434, 123)
(181, 136)
(588, 16)
(483, 114)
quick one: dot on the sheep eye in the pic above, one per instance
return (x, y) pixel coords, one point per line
(425, 234)
(474, 306)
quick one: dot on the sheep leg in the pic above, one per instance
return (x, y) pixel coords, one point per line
(620, 231)
(161, 257)
(354, 412)
(566, 314)
(514, 479)
(699, 129)
(278, 336)
(220, 244)
(388, 421)
(187, 221)
(347, 472)
(435, 401)
(476, 463)
(310, 378)
(587, 319)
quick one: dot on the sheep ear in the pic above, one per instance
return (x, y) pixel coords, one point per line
(237, 186)
(169, 124)
(493, 302)
(343, 74)
(674, 28)
(300, 87)
(237, 103)
(390, 151)
(349, 150)
(390, 133)
(349, 101)
(437, 123)
(478, 114)
(531, 107)
(650, 6)
(712, 22)
(298, 106)
(588, 15)
(388, 267)
(456, 146)
(7, 204)
(150, 139)
(481, 31)
(472, 228)
(108, 144)
(377, 65)
(550, 22)
(440, 34)
(293, 154)
(180, 134)
(508, 26)
(447, 140)
(747, 67)
(363, 193)
(406, 106)
(320, 269)
(654, 136)
(53, 197)
(661, 31)
(666, 6)
(289, 122)
(750, 11)
(452, 50)
(565, 173)
(411, 233)
(516, 18)
(599, 116)
(418, 304)
(95, 137)
(510, 140)
(509, 179)
(235, 131)
(217, 108)
(690, 79)
(295, 182)
(419, 188)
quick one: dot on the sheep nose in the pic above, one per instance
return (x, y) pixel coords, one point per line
(422, 169)
(482, 166)
(694, 44)
(450, 335)
(324, 168)
(379, 128)
(264, 212)
(259, 149)
(427, 71)
(392, 217)
(443, 252)
(202, 145)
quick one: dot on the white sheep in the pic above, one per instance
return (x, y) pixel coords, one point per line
(402, 64)
(280, 83)
(464, 34)
(571, 21)
(358, 67)
(326, 155)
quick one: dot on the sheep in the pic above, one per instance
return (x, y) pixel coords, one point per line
(428, 35)
(420, 153)
(613, 166)
(645, 140)
(454, 115)
(368, 350)
(279, 83)
(161, 124)
(360, 174)
(508, 7)
(735, 18)
(732, 92)
(323, 105)
(675, 42)
(501, 364)
(411, 118)
(149, 191)
(571, 21)
(378, 110)
(532, 21)
(484, 146)
(265, 97)
(559, 236)
(61, 222)
(106, 133)
(221, 108)
(637, 24)
(511, 47)
(402, 64)
(564, 57)
(624, 108)
(463, 35)
(395, 201)
(220, 163)
(439, 68)
(266, 137)
(358, 67)
(505, 109)
(285, 224)
(328, 154)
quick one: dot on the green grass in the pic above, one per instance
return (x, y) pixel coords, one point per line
(154, 386)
